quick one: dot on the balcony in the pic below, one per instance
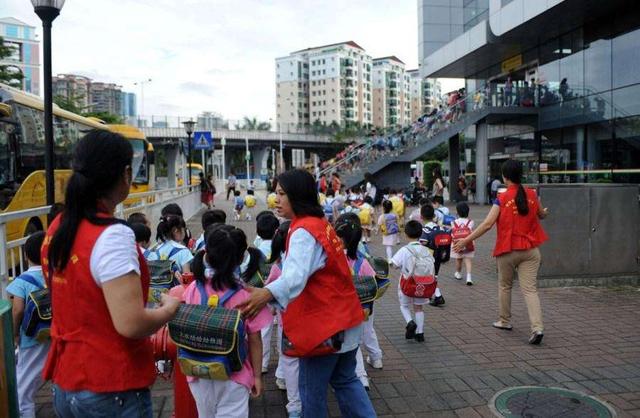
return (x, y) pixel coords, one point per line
(349, 103)
(347, 62)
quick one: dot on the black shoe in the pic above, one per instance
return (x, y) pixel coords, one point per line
(419, 337)
(437, 301)
(536, 338)
(411, 330)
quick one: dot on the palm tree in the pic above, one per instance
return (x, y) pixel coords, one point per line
(252, 124)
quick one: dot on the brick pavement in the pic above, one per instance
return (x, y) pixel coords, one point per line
(591, 344)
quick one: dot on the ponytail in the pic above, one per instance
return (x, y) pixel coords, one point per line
(512, 171)
(166, 225)
(99, 162)
(222, 256)
(279, 241)
(255, 255)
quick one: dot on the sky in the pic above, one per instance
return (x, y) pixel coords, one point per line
(213, 55)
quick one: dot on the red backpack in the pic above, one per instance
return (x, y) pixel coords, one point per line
(459, 232)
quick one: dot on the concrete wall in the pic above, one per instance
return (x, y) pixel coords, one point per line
(395, 176)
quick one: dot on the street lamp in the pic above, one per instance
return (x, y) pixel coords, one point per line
(47, 11)
(141, 84)
(188, 127)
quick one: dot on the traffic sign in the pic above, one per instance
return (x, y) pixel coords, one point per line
(202, 140)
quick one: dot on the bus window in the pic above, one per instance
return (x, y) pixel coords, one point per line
(6, 173)
(139, 163)
(30, 151)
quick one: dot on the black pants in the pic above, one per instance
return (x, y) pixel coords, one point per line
(229, 189)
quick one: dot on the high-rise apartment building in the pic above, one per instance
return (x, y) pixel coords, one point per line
(210, 121)
(432, 94)
(26, 51)
(391, 93)
(425, 94)
(329, 84)
(92, 96)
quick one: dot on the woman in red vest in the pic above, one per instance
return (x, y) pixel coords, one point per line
(322, 315)
(517, 212)
(100, 361)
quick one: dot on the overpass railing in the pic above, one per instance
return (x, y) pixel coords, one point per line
(179, 133)
(12, 260)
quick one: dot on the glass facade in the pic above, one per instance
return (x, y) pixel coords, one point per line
(587, 85)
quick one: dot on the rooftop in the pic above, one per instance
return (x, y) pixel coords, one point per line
(390, 58)
(350, 43)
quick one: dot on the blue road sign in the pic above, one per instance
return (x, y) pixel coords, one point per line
(202, 140)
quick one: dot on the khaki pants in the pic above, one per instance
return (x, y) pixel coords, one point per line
(526, 263)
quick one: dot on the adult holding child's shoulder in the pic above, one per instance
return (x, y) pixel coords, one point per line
(100, 361)
(322, 316)
(517, 212)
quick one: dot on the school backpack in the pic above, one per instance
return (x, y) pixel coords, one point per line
(381, 267)
(446, 219)
(420, 282)
(390, 224)
(365, 216)
(36, 322)
(271, 201)
(461, 231)
(250, 201)
(438, 240)
(162, 272)
(366, 287)
(211, 340)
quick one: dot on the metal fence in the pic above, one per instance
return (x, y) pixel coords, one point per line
(150, 203)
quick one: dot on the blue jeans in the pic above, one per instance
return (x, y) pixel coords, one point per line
(339, 370)
(85, 404)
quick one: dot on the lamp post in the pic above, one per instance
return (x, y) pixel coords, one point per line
(188, 127)
(47, 11)
(141, 84)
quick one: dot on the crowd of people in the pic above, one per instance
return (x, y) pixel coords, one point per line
(312, 244)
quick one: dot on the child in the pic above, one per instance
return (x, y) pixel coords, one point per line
(366, 218)
(388, 224)
(171, 232)
(174, 209)
(288, 367)
(428, 218)
(210, 217)
(348, 228)
(138, 218)
(143, 237)
(266, 225)
(32, 354)
(238, 205)
(214, 269)
(250, 203)
(405, 259)
(415, 214)
(328, 207)
(397, 203)
(462, 228)
(441, 212)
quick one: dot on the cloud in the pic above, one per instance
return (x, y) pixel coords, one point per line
(198, 88)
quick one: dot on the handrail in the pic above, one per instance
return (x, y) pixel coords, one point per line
(25, 213)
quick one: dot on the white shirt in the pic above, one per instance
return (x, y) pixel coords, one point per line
(440, 212)
(114, 254)
(404, 259)
(371, 190)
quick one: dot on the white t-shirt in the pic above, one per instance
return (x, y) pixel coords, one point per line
(114, 254)
(440, 212)
(371, 190)
(404, 259)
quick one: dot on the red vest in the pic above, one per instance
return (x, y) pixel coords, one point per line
(87, 353)
(516, 232)
(329, 303)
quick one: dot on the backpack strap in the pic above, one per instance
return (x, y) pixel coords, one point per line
(227, 295)
(358, 265)
(174, 251)
(204, 298)
(31, 280)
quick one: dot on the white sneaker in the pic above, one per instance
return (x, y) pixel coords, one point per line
(376, 364)
(365, 382)
(281, 384)
(469, 281)
(457, 275)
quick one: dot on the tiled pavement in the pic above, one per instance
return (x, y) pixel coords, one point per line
(591, 344)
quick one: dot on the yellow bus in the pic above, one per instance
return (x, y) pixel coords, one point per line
(22, 176)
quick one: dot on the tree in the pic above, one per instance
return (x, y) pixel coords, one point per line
(9, 74)
(71, 104)
(107, 117)
(252, 124)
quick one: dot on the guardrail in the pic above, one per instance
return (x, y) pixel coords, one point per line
(149, 203)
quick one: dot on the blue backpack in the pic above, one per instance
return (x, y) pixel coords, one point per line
(211, 341)
(447, 219)
(36, 322)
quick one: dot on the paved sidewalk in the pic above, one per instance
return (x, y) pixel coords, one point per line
(591, 344)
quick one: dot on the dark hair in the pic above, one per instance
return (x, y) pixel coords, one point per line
(427, 212)
(222, 255)
(250, 192)
(279, 241)
(436, 173)
(213, 216)
(32, 247)
(300, 188)
(368, 200)
(141, 231)
(330, 193)
(166, 225)
(171, 209)
(240, 239)
(266, 225)
(387, 206)
(236, 193)
(463, 209)
(137, 218)
(348, 228)
(438, 199)
(99, 162)
(424, 201)
(413, 229)
(512, 171)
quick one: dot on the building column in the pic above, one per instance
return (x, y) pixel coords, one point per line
(173, 155)
(260, 158)
(482, 162)
(454, 167)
